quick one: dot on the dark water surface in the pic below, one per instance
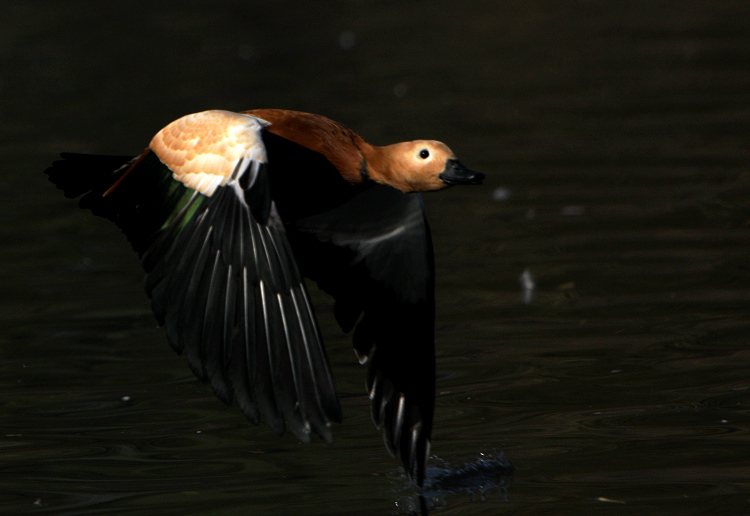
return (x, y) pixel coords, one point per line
(616, 140)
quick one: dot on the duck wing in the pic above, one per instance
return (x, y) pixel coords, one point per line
(220, 272)
(370, 248)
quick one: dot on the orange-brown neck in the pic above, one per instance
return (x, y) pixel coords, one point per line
(337, 143)
(353, 157)
(380, 167)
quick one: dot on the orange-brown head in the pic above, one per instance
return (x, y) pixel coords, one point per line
(418, 166)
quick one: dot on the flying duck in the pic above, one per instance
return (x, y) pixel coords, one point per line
(230, 211)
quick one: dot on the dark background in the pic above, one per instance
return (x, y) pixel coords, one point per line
(614, 136)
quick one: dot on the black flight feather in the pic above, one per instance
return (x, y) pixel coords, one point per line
(222, 280)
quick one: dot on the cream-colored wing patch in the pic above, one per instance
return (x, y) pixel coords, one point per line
(210, 149)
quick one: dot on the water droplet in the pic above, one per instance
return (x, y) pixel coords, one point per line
(347, 40)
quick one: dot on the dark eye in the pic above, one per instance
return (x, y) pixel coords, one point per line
(424, 154)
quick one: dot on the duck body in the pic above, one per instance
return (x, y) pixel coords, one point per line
(229, 211)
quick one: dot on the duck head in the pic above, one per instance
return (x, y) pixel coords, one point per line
(420, 166)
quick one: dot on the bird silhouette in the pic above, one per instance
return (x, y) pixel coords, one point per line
(230, 211)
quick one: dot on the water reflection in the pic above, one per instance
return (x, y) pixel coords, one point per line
(489, 475)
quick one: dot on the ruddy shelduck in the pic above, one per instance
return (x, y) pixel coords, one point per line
(230, 211)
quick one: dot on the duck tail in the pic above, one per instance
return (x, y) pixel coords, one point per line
(136, 193)
(78, 174)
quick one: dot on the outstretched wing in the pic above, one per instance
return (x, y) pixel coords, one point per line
(222, 279)
(380, 268)
(370, 247)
